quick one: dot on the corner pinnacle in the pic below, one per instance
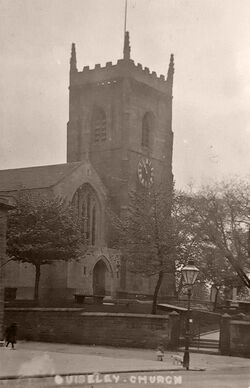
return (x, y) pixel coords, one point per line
(126, 49)
(73, 66)
(170, 76)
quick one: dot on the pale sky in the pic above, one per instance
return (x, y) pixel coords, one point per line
(211, 107)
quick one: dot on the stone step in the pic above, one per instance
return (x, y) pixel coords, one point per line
(205, 340)
(204, 346)
(202, 343)
(201, 350)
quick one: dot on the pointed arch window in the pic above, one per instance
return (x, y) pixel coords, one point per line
(99, 125)
(147, 129)
(87, 204)
(93, 231)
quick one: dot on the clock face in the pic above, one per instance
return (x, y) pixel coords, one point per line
(145, 172)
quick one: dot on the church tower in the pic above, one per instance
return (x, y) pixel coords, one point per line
(120, 119)
(120, 128)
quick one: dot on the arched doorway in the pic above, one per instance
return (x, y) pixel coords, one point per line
(101, 279)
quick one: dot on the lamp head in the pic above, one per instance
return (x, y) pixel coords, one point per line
(189, 273)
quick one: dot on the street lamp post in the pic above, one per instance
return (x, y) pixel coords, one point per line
(189, 273)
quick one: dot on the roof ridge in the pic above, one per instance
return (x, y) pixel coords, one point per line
(43, 165)
(36, 177)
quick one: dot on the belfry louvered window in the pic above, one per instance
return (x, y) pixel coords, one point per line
(147, 128)
(99, 125)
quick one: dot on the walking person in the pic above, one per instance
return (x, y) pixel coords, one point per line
(10, 335)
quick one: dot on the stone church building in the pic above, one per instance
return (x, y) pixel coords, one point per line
(119, 137)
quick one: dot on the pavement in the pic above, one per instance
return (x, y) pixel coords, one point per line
(39, 358)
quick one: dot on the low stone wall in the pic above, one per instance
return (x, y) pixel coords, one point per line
(240, 338)
(74, 326)
(235, 335)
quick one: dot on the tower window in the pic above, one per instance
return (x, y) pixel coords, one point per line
(99, 125)
(147, 128)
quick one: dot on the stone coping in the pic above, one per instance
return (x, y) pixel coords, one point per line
(129, 315)
(43, 309)
(237, 322)
(88, 313)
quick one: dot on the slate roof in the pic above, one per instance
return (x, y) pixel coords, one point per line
(35, 177)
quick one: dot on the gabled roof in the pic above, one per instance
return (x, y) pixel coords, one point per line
(6, 202)
(35, 177)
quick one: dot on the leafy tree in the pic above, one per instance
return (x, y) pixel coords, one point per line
(158, 233)
(42, 231)
(221, 218)
(187, 242)
(144, 235)
(211, 226)
(217, 272)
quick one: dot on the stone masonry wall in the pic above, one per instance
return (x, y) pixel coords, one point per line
(235, 335)
(240, 338)
(74, 326)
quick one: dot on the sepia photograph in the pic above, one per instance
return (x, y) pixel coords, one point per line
(125, 193)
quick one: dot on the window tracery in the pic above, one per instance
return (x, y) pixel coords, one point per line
(87, 205)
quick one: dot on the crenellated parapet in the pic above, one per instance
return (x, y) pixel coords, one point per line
(112, 73)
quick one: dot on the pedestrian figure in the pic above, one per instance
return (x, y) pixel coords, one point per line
(10, 335)
(160, 352)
